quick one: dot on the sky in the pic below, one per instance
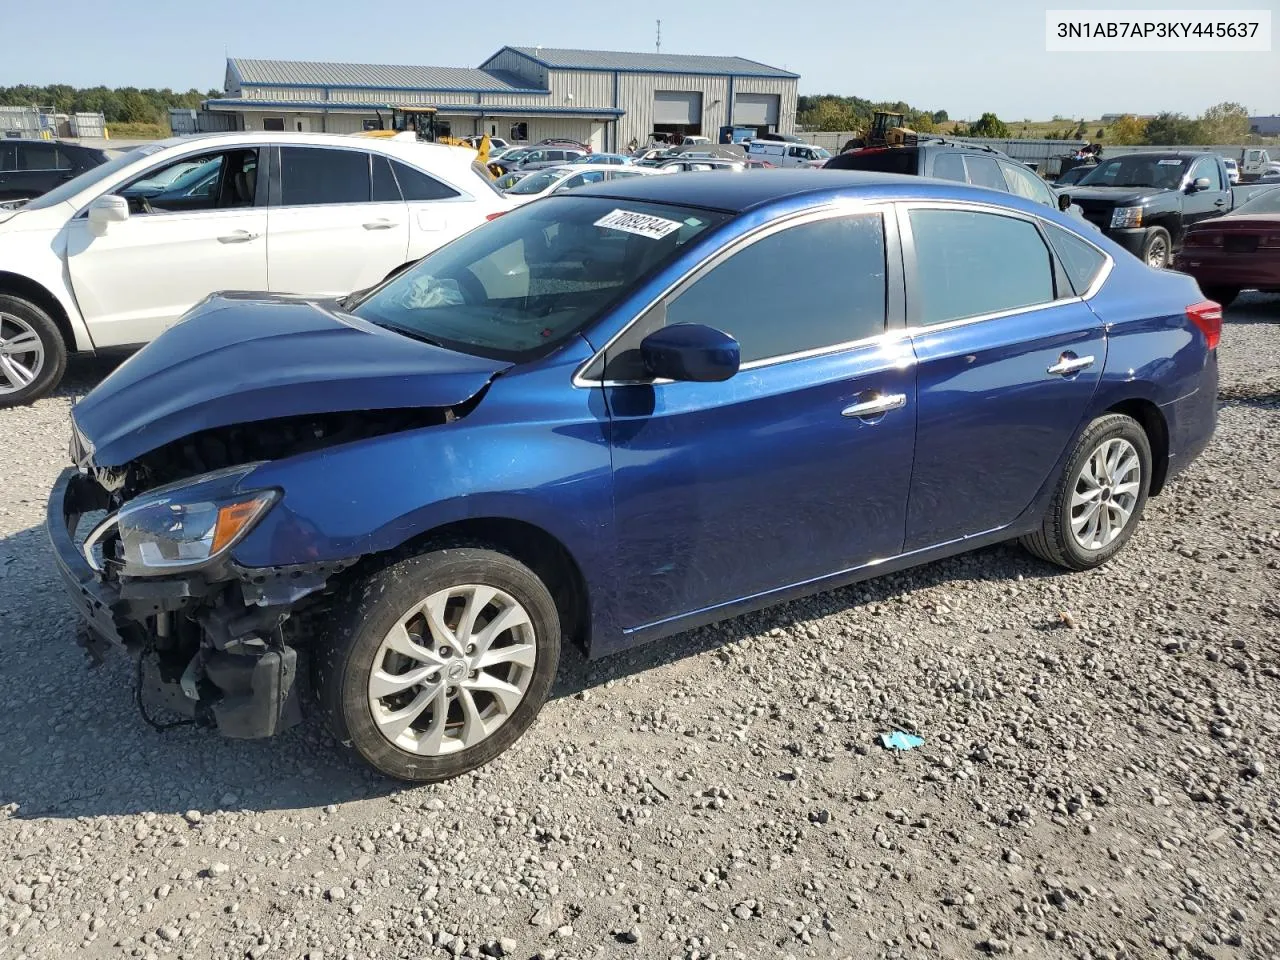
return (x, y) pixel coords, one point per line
(963, 57)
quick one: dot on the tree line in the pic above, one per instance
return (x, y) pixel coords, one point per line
(118, 104)
(1224, 123)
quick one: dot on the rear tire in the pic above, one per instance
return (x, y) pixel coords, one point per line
(33, 355)
(1157, 248)
(1222, 295)
(1110, 471)
(410, 679)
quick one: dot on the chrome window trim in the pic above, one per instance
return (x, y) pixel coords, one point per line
(827, 211)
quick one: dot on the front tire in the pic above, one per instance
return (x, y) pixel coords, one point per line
(1099, 498)
(440, 662)
(33, 355)
(1157, 248)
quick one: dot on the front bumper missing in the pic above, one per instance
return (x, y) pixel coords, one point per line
(230, 666)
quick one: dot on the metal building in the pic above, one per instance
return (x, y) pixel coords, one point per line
(520, 93)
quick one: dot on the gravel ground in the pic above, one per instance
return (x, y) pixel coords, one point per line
(1099, 775)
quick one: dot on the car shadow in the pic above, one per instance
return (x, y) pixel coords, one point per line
(76, 745)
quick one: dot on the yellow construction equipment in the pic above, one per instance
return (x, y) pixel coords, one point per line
(422, 124)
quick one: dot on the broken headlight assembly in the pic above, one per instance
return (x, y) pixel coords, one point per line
(180, 527)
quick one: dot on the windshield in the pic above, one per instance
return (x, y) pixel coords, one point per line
(1266, 202)
(822, 153)
(518, 287)
(87, 179)
(1138, 170)
(537, 182)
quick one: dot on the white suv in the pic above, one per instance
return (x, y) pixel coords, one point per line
(113, 257)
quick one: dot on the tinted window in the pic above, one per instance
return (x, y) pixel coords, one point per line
(1207, 167)
(969, 264)
(384, 181)
(983, 172)
(810, 286)
(273, 123)
(8, 156)
(949, 166)
(416, 185)
(1024, 183)
(534, 277)
(207, 182)
(1137, 170)
(310, 176)
(1081, 260)
(38, 156)
(888, 160)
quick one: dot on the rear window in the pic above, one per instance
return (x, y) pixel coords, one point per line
(888, 160)
(1082, 261)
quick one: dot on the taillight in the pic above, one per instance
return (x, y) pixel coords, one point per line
(1271, 241)
(1207, 315)
(495, 216)
(1203, 238)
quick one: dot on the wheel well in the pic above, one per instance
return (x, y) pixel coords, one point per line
(25, 287)
(536, 549)
(1153, 424)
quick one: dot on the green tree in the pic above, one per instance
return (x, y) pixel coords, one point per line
(1175, 129)
(989, 125)
(1225, 123)
(940, 116)
(828, 113)
(1127, 130)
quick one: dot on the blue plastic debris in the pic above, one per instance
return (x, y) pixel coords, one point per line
(900, 741)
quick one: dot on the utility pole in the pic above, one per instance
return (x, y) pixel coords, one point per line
(659, 48)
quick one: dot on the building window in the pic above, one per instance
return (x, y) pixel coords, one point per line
(273, 123)
(520, 131)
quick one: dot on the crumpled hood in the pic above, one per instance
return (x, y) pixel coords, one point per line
(1113, 196)
(238, 358)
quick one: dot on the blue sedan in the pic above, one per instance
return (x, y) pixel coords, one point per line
(608, 417)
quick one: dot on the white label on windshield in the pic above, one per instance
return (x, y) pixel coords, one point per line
(1169, 163)
(641, 224)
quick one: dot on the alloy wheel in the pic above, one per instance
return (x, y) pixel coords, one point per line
(21, 353)
(452, 670)
(1157, 253)
(1105, 494)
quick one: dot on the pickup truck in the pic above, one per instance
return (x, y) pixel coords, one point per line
(1145, 201)
(1256, 162)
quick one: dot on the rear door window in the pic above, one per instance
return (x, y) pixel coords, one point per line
(949, 166)
(887, 160)
(972, 264)
(983, 172)
(416, 185)
(314, 175)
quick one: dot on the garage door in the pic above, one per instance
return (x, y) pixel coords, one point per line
(677, 106)
(756, 109)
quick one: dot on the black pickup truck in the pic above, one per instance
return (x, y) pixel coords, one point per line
(1145, 201)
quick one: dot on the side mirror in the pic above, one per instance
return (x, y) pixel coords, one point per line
(1064, 202)
(692, 352)
(109, 208)
(1198, 184)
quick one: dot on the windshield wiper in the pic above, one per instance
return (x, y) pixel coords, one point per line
(406, 331)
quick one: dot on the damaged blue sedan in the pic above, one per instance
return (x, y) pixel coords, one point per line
(604, 418)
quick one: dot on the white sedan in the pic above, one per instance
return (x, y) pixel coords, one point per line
(551, 180)
(97, 264)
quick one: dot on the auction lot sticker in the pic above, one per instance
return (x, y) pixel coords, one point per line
(641, 224)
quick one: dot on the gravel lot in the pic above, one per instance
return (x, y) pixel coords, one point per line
(1099, 777)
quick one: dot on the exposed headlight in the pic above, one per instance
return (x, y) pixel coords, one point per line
(1126, 217)
(186, 525)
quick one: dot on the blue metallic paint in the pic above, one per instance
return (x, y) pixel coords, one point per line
(684, 503)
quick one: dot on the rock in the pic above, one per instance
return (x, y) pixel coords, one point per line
(631, 936)
(168, 934)
(21, 893)
(193, 816)
(218, 869)
(336, 893)
(508, 946)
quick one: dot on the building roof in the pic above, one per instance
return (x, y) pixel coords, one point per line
(375, 76)
(557, 58)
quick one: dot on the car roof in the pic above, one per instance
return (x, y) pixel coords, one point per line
(417, 152)
(739, 194)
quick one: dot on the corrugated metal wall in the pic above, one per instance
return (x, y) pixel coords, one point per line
(635, 97)
(785, 91)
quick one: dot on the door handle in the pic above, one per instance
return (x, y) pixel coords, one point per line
(876, 406)
(1067, 365)
(1221, 202)
(239, 236)
(378, 225)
